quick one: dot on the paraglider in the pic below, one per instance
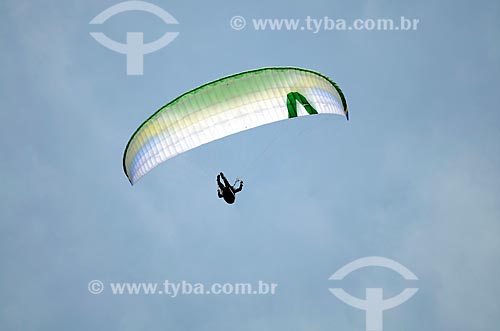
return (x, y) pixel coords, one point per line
(226, 190)
(227, 106)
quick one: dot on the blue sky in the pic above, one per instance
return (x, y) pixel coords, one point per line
(413, 176)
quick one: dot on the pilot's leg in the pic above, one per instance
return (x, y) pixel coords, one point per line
(221, 186)
(226, 183)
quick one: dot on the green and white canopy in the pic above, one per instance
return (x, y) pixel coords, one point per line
(226, 106)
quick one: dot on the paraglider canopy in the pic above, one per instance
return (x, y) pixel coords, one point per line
(226, 106)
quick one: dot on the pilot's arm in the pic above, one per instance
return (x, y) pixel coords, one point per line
(239, 188)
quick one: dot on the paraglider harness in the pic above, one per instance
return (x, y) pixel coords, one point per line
(226, 190)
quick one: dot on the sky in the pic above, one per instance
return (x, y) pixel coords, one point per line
(413, 176)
